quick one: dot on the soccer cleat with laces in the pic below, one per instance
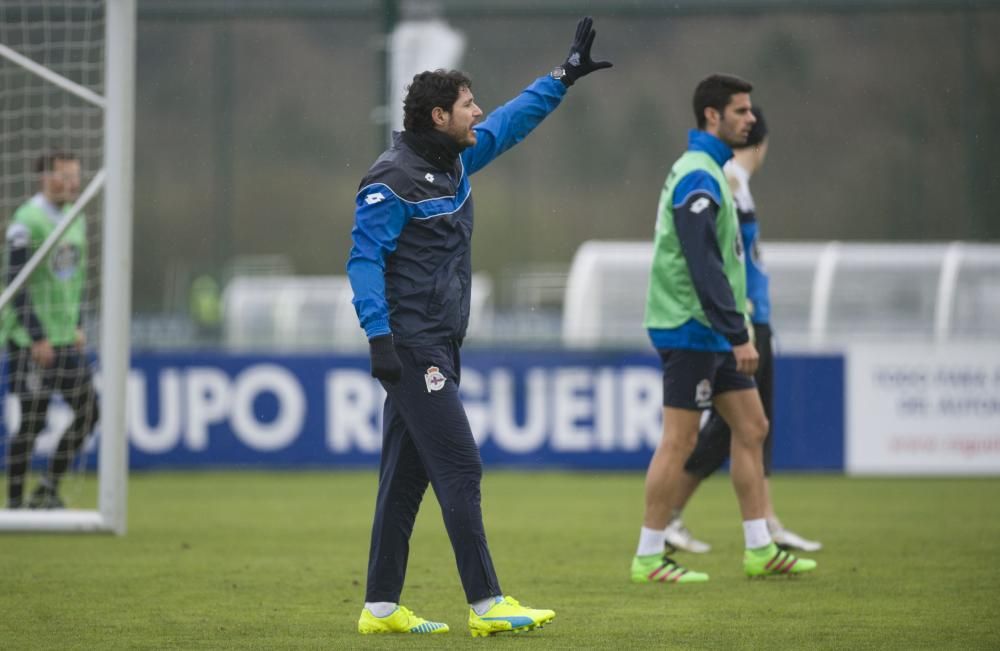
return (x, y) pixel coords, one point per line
(787, 539)
(771, 561)
(45, 497)
(678, 537)
(506, 615)
(401, 620)
(660, 568)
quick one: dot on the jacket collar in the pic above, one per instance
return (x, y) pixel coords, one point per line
(699, 140)
(435, 147)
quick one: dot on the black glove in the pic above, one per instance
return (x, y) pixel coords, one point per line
(578, 62)
(385, 362)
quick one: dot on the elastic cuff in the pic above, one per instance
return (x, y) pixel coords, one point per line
(739, 339)
(381, 343)
(377, 328)
(36, 333)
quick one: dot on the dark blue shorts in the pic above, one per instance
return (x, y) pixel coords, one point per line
(691, 378)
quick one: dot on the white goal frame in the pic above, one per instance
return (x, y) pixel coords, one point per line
(116, 178)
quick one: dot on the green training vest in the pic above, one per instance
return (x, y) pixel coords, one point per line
(56, 286)
(672, 300)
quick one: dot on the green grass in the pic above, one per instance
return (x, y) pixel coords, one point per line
(277, 560)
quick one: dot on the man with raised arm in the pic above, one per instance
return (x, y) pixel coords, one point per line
(410, 269)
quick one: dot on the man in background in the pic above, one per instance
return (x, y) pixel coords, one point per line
(410, 269)
(42, 328)
(696, 318)
(714, 439)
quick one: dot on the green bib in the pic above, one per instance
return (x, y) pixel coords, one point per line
(672, 300)
(56, 286)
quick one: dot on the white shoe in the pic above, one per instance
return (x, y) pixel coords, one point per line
(785, 538)
(679, 537)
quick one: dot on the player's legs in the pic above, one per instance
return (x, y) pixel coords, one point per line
(765, 384)
(710, 452)
(665, 476)
(742, 409)
(427, 397)
(687, 389)
(664, 482)
(73, 379)
(744, 412)
(765, 387)
(668, 487)
(712, 448)
(33, 395)
(401, 486)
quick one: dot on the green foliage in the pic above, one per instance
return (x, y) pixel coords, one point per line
(277, 561)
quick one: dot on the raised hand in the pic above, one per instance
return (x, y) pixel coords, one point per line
(578, 62)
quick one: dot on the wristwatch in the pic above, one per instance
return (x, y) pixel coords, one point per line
(558, 72)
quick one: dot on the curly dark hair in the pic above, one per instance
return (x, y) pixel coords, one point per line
(430, 89)
(715, 91)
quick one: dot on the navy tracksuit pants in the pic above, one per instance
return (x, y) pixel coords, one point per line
(426, 438)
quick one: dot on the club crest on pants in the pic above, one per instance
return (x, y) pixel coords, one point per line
(434, 379)
(703, 394)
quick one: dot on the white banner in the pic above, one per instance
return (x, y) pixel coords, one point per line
(923, 410)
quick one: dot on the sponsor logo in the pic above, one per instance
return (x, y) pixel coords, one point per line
(574, 59)
(699, 205)
(374, 198)
(429, 177)
(434, 379)
(703, 394)
(65, 261)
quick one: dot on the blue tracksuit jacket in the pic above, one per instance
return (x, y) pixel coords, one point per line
(410, 265)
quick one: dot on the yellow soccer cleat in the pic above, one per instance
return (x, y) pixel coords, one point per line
(507, 616)
(401, 620)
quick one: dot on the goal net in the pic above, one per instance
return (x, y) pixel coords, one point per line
(66, 80)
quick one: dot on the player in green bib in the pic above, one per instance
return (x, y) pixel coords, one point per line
(42, 329)
(696, 318)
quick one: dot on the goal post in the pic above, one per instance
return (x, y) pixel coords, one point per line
(114, 176)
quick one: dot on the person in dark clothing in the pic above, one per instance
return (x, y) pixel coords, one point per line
(410, 269)
(42, 329)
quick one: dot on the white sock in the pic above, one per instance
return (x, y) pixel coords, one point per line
(755, 533)
(481, 606)
(651, 541)
(381, 608)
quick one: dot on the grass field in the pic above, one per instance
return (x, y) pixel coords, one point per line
(277, 561)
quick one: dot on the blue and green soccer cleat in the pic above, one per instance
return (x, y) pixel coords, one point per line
(401, 620)
(507, 616)
(660, 568)
(773, 561)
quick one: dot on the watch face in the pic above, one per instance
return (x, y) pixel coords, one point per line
(558, 72)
